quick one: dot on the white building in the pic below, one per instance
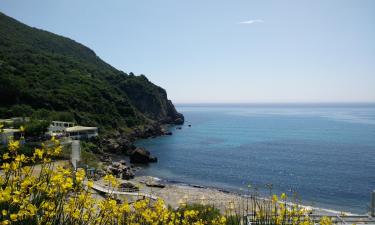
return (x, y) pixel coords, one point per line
(8, 134)
(69, 129)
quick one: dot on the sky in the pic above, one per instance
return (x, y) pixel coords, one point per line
(238, 51)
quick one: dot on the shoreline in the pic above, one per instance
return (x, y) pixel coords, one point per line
(175, 190)
(195, 189)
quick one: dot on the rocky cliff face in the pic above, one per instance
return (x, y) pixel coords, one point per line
(152, 101)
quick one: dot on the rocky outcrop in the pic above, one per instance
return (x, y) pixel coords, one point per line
(152, 101)
(151, 130)
(120, 143)
(115, 142)
(128, 186)
(121, 170)
(142, 156)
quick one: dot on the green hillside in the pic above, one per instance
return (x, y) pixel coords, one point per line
(46, 75)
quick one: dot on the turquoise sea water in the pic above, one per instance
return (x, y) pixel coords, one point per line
(325, 153)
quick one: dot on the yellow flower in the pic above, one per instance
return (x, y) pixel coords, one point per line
(22, 128)
(55, 141)
(80, 175)
(274, 198)
(111, 180)
(68, 184)
(13, 145)
(90, 183)
(6, 156)
(20, 158)
(57, 150)
(85, 217)
(325, 220)
(4, 212)
(76, 214)
(283, 196)
(32, 209)
(13, 217)
(6, 167)
(38, 153)
(5, 222)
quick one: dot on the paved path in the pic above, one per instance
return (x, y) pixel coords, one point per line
(76, 153)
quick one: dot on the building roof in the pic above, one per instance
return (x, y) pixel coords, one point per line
(6, 130)
(6, 121)
(79, 128)
(56, 121)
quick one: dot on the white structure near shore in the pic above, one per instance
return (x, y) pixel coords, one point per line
(81, 132)
(69, 129)
(8, 134)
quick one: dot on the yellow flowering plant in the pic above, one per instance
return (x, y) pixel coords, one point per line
(45, 194)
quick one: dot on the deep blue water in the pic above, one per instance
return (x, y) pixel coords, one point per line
(325, 153)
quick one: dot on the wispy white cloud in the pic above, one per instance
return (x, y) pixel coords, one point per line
(251, 21)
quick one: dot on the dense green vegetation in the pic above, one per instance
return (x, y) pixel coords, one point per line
(47, 76)
(87, 154)
(33, 128)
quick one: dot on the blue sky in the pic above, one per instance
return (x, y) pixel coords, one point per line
(225, 51)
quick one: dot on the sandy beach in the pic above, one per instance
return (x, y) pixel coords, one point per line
(176, 194)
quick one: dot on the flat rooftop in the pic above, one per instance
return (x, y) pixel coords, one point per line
(80, 128)
(10, 130)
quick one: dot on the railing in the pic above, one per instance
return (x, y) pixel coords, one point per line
(111, 189)
(128, 190)
(122, 191)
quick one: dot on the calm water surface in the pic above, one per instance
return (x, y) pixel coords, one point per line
(326, 153)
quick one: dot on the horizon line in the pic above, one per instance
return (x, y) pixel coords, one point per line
(274, 103)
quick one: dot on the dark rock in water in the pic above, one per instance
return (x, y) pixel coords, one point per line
(154, 184)
(179, 121)
(168, 133)
(189, 125)
(178, 128)
(141, 155)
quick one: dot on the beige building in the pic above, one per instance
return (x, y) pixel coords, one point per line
(81, 132)
(69, 129)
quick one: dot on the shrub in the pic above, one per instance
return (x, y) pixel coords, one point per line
(205, 212)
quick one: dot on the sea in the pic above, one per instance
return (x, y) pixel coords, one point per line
(322, 153)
